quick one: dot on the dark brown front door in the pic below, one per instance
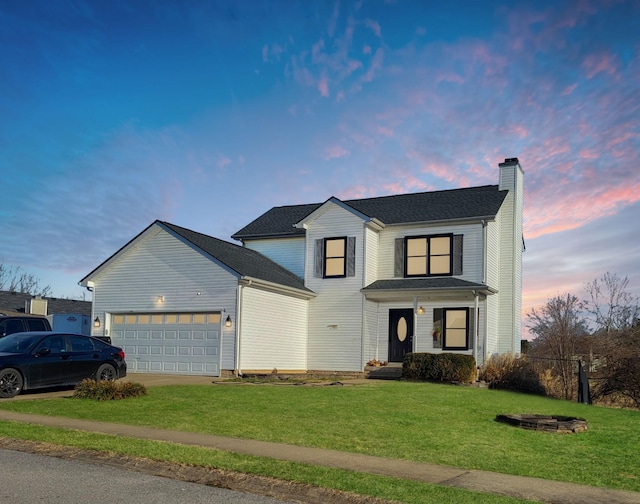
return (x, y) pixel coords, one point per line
(400, 333)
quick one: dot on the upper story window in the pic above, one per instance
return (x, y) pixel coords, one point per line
(335, 255)
(429, 255)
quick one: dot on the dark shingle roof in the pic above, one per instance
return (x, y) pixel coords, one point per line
(435, 283)
(244, 261)
(15, 302)
(455, 204)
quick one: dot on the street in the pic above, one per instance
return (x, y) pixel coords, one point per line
(27, 478)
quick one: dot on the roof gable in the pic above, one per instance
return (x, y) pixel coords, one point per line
(243, 261)
(477, 203)
(314, 214)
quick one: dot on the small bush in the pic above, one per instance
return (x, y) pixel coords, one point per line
(108, 390)
(508, 372)
(444, 367)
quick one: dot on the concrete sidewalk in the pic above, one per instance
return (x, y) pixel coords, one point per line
(479, 481)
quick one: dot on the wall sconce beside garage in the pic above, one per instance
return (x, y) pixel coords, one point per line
(227, 323)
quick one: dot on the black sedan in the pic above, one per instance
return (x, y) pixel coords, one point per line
(31, 360)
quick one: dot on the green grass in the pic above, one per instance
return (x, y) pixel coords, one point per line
(397, 490)
(415, 421)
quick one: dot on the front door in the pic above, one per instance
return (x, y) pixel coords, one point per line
(400, 333)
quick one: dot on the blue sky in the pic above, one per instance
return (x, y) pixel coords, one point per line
(206, 114)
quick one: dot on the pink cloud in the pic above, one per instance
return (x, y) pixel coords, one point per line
(323, 87)
(335, 152)
(569, 89)
(387, 132)
(601, 62)
(374, 26)
(589, 154)
(557, 212)
(222, 161)
(376, 65)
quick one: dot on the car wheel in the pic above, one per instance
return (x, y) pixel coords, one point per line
(106, 372)
(10, 382)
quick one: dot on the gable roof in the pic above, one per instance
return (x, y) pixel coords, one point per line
(245, 262)
(476, 203)
(12, 303)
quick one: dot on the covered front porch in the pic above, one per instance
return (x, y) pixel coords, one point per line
(430, 315)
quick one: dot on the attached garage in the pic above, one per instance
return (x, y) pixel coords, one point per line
(170, 298)
(182, 343)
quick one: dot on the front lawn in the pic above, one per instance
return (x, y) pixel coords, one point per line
(416, 421)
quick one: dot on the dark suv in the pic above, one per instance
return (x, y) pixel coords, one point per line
(10, 324)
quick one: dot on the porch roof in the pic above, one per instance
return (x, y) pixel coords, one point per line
(412, 287)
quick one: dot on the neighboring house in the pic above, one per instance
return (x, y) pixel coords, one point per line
(64, 314)
(323, 287)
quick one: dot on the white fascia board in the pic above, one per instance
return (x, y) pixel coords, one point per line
(153, 228)
(320, 210)
(246, 281)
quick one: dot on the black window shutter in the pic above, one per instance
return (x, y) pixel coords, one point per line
(351, 256)
(457, 254)
(319, 258)
(398, 260)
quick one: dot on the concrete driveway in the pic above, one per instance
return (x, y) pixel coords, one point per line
(146, 379)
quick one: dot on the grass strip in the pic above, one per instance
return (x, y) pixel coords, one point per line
(399, 490)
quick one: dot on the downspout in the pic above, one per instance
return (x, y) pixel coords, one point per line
(484, 252)
(475, 326)
(415, 323)
(485, 255)
(238, 340)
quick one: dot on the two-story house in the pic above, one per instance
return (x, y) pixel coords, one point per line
(323, 287)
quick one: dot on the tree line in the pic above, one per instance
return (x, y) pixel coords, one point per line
(15, 279)
(601, 331)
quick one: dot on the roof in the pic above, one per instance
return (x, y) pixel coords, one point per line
(481, 202)
(244, 261)
(12, 303)
(423, 284)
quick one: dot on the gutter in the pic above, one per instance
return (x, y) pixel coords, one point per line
(277, 288)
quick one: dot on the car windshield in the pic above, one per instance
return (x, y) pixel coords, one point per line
(19, 342)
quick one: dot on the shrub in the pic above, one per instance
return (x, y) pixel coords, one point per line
(508, 372)
(108, 390)
(439, 367)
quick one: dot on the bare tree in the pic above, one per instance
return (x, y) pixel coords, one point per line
(558, 327)
(14, 279)
(610, 305)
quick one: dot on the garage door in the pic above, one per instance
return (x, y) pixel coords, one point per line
(181, 343)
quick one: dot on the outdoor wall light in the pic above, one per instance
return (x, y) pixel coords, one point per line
(160, 299)
(227, 323)
(420, 310)
(96, 322)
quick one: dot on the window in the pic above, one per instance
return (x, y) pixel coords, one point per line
(335, 257)
(335, 252)
(456, 329)
(431, 255)
(428, 255)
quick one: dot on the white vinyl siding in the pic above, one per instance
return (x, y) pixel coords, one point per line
(274, 332)
(287, 252)
(159, 264)
(472, 263)
(335, 315)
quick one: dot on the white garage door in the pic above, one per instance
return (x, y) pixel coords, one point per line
(181, 343)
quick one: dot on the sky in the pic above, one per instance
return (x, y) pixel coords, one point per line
(206, 114)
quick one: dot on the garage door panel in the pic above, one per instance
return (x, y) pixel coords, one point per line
(174, 347)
